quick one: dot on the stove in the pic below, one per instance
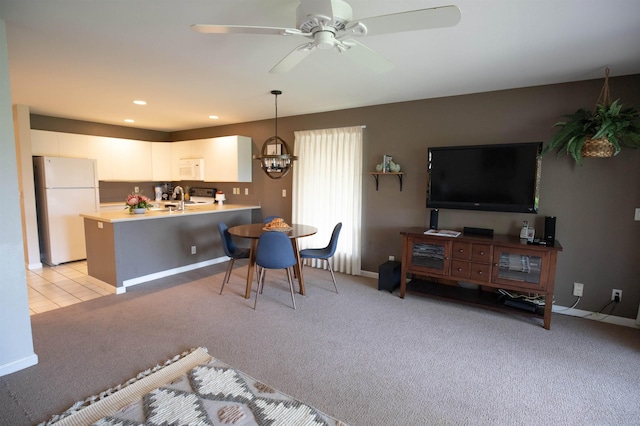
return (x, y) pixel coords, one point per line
(202, 196)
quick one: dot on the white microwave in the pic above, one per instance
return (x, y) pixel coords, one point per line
(191, 169)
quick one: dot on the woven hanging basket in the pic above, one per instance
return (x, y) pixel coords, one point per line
(597, 148)
(601, 147)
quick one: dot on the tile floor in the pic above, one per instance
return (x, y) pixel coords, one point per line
(54, 287)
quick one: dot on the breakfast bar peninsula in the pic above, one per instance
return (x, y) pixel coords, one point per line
(124, 249)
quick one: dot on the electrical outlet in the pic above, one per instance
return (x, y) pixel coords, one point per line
(637, 216)
(578, 289)
(284, 193)
(136, 189)
(193, 249)
(100, 225)
(246, 191)
(392, 258)
(615, 293)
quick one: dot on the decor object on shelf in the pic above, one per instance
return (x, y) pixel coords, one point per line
(275, 159)
(600, 133)
(136, 201)
(387, 165)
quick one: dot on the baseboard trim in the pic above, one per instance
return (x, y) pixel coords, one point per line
(18, 365)
(32, 266)
(167, 273)
(594, 316)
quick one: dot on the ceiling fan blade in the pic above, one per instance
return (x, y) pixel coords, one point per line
(292, 59)
(244, 29)
(366, 56)
(423, 19)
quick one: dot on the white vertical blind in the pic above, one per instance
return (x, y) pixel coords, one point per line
(327, 189)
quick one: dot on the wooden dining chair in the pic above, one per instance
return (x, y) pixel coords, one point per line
(274, 252)
(230, 250)
(325, 253)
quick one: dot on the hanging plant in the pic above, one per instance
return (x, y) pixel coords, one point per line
(600, 133)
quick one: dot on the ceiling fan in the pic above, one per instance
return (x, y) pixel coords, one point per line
(329, 24)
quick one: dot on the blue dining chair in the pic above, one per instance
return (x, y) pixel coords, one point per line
(325, 253)
(230, 250)
(274, 252)
(270, 218)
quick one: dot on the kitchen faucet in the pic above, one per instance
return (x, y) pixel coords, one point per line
(175, 191)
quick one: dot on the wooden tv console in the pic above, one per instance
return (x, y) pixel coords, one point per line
(496, 262)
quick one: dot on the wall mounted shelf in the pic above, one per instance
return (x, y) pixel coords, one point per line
(376, 174)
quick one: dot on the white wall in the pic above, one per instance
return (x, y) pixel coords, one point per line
(16, 342)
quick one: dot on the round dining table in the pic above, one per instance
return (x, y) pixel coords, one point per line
(254, 230)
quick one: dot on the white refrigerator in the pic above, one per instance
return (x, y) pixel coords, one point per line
(65, 187)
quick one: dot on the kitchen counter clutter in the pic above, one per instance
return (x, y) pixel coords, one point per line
(123, 214)
(125, 249)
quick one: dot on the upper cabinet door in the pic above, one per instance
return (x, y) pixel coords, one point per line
(228, 159)
(161, 161)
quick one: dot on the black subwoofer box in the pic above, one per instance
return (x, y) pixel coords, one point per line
(389, 275)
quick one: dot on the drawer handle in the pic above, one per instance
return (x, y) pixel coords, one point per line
(459, 269)
(479, 272)
(461, 250)
(481, 253)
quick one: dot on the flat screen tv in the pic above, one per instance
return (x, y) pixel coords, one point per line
(503, 177)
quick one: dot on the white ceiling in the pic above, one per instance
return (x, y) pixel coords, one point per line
(89, 59)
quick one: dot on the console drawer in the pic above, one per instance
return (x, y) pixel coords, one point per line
(480, 272)
(481, 253)
(461, 250)
(460, 269)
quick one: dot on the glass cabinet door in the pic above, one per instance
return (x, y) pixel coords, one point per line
(521, 267)
(430, 256)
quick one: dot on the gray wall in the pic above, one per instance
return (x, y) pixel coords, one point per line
(594, 204)
(16, 343)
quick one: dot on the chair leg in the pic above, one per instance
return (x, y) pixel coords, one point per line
(260, 286)
(291, 287)
(332, 275)
(227, 274)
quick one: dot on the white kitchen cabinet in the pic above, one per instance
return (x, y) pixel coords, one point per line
(45, 143)
(161, 161)
(190, 149)
(74, 146)
(99, 148)
(228, 159)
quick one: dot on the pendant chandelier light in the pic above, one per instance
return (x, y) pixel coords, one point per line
(276, 159)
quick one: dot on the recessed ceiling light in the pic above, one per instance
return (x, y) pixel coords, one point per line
(213, 117)
(128, 120)
(140, 102)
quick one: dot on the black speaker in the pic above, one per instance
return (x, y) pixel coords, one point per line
(550, 230)
(433, 221)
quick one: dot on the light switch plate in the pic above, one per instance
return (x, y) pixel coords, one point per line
(637, 214)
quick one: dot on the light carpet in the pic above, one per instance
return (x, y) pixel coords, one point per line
(192, 388)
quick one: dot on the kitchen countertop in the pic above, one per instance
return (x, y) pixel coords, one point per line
(190, 209)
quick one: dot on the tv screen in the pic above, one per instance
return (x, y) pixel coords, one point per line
(502, 177)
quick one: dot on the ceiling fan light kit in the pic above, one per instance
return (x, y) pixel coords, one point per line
(276, 159)
(329, 24)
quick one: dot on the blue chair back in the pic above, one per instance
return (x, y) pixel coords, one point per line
(275, 251)
(333, 243)
(270, 218)
(227, 242)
